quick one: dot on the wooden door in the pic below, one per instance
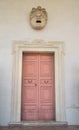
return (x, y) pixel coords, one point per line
(29, 87)
(46, 87)
(38, 94)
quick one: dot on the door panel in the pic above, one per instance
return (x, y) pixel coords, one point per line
(38, 92)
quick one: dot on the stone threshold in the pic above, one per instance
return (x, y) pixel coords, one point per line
(38, 123)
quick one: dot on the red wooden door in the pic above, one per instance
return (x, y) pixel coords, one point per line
(46, 87)
(38, 94)
(29, 87)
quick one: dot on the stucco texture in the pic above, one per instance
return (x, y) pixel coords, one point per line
(62, 25)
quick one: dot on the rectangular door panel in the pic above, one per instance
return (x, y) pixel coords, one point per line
(45, 69)
(46, 57)
(30, 56)
(29, 69)
(46, 94)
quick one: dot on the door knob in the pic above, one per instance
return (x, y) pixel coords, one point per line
(35, 84)
(29, 81)
(46, 81)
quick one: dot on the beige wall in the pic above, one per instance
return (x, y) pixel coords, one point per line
(63, 25)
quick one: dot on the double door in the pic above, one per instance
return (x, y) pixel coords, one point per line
(38, 89)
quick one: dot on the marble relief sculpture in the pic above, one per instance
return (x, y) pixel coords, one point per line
(38, 18)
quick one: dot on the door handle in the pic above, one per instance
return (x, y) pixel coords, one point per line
(46, 81)
(29, 81)
(35, 84)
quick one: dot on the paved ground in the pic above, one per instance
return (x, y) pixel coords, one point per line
(40, 128)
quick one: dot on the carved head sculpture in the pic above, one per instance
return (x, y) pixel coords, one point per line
(38, 18)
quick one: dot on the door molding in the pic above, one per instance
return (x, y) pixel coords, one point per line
(38, 46)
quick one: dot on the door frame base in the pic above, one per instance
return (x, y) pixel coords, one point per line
(38, 123)
(42, 47)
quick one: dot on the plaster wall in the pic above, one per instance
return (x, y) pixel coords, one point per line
(62, 25)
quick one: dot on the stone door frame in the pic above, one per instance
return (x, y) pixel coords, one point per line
(38, 46)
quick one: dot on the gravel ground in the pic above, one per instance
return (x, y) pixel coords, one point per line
(40, 128)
